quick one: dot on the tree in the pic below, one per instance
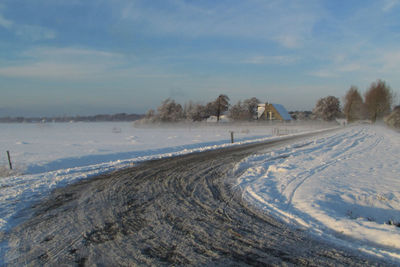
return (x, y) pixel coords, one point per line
(195, 112)
(354, 107)
(218, 106)
(222, 103)
(378, 100)
(327, 108)
(169, 111)
(150, 115)
(238, 112)
(251, 105)
(246, 110)
(393, 120)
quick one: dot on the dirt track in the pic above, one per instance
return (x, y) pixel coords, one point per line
(175, 211)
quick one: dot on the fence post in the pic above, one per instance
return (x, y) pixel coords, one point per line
(9, 159)
(232, 137)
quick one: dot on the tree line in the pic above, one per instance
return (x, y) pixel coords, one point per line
(377, 103)
(95, 118)
(170, 111)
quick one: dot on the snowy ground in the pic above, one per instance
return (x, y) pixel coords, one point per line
(342, 186)
(50, 155)
(39, 148)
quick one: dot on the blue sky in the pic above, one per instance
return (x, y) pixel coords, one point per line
(105, 56)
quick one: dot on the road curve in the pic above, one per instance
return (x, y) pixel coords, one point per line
(174, 211)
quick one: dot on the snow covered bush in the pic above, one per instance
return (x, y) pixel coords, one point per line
(393, 119)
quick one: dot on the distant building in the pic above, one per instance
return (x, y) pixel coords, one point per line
(272, 112)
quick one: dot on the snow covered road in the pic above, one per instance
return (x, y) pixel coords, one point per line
(174, 211)
(343, 187)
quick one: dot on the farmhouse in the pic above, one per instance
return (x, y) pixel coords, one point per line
(272, 112)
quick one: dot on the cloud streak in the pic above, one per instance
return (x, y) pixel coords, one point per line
(271, 60)
(261, 21)
(27, 32)
(388, 5)
(5, 23)
(62, 64)
(79, 64)
(34, 33)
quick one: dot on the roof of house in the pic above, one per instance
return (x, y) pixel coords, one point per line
(282, 111)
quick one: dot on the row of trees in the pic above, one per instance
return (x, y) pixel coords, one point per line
(377, 103)
(170, 111)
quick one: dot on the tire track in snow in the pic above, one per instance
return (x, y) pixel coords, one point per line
(175, 211)
(295, 184)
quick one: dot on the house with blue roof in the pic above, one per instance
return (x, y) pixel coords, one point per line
(272, 112)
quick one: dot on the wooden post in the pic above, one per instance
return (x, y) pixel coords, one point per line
(232, 138)
(9, 159)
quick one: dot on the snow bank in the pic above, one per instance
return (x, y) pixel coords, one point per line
(343, 187)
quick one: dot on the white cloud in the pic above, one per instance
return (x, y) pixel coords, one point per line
(339, 58)
(70, 54)
(273, 60)
(391, 61)
(5, 23)
(27, 32)
(73, 64)
(50, 70)
(289, 41)
(34, 33)
(63, 63)
(349, 67)
(284, 22)
(336, 70)
(389, 5)
(323, 73)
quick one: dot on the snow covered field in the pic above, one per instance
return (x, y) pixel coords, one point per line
(44, 147)
(50, 155)
(341, 186)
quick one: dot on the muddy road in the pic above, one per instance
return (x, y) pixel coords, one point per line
(175, 211)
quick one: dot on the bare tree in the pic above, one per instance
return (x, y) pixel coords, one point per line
(218, 106)
(378, 100)
(150, 115)
(195, 112)
(246, 110)
(354, 106)
(222, 103)
(327, 108)
(238, 112)
(251, 106)
(169, 111)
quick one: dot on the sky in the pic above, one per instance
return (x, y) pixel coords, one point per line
(85, 57)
